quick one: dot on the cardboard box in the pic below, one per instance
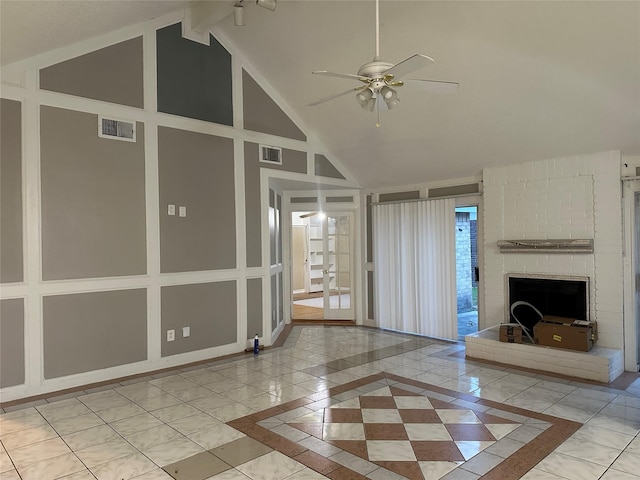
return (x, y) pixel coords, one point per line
(566, 333)
(510, 333)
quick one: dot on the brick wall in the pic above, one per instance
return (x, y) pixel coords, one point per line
(463, 261)
(573, 197)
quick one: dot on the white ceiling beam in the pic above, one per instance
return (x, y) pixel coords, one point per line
(200, 18)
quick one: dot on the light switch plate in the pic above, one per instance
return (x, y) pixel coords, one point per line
(171, 335)
(171, 210)
(182, 211)
(186, 331)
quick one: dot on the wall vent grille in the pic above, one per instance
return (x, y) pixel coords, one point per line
(270, 154)
(116, 129)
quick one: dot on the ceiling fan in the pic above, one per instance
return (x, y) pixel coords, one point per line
(380, 79)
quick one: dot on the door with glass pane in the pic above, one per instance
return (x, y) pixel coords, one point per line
(337, 266)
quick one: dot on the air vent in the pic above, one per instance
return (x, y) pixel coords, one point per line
(116, 129)
(270, 154)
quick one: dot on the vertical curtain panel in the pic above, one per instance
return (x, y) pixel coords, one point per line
(415, 267)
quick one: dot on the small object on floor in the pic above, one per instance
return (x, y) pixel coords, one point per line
(256, 345)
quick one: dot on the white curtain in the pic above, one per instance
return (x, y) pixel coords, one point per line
(415, 267)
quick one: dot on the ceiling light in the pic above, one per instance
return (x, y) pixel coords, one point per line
(390, 96)
(268, 4)
(367, 99)
(238, 14)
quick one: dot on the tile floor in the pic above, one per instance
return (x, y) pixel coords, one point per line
(332, 402)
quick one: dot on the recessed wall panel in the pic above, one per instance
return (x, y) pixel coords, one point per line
(11, 253)
(91, 331)
(208, 309)
(262, 114)
(112, 74)
(12, 362)
(254, 307)
(196, 172)
(292, 160)
(399, 196)
(324, 168)
(93, 199)
(252, 202)
(194, 80)
(274, 301)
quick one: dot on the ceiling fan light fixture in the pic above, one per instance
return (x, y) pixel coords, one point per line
(268, 4)
(390, 96)
(238, 14)
(366, 99)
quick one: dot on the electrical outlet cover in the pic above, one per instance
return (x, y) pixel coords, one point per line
(171, 335)
(186, 331)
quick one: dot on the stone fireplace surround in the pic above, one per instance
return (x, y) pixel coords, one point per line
(565, 198)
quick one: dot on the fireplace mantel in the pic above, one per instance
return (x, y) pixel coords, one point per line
(570, 245)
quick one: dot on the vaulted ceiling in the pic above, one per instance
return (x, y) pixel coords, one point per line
(538, 79)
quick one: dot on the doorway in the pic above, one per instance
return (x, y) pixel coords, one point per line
(467, 270)
(631, 224)
(322, 266)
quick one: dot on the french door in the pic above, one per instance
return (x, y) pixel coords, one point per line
(337, 266)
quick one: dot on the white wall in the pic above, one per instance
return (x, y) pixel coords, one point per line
(572, 197)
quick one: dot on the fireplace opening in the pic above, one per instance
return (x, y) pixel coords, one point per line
(557, 296)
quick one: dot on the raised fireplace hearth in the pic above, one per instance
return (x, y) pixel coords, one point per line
(601, 364)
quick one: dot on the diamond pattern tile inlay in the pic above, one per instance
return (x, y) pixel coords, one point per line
(412, 429)
(396, 425)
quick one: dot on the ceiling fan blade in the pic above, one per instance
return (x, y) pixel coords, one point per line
(341, 75)
(331, 97)
(409, 65)
(307, 215)
(434, 86)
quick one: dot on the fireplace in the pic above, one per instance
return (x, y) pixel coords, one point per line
(557, 295)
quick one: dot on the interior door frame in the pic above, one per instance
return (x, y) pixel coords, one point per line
(631, 327)
(350, 313)
(321, 196)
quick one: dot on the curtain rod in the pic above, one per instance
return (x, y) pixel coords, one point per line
(412, 200)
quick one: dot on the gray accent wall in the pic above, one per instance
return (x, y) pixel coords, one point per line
(273, 227)
(262, 114)
(194, 80)
(369, 229)
(469, 188)
(112, 74)
(370, 296)
(303, 199)
(324, 168)
(12, 361)
(252, 201)
(254, 307)
(93, 199)
(344, 199)
(209, 309)
(399, 196)
(292, 160)
(91, 331)
(196, 171)
(274, 302)
(11, 254)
